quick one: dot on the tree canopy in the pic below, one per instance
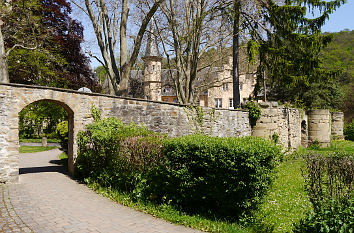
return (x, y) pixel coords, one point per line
(53, 55)
(290, 53)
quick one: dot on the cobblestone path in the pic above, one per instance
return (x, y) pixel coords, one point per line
(46, 200)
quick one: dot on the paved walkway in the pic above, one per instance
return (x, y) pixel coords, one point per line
(47, 200)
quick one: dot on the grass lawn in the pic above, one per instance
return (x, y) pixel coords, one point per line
(39, 140)
(33, 149)
(336, 146)
(169, 213)
(286, 201)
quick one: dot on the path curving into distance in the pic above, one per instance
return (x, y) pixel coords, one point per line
(47, 200)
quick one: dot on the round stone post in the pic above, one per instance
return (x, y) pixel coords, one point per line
(319, 126)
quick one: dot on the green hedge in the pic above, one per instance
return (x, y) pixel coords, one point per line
(199, 174)
(100, 153)
(217, 176)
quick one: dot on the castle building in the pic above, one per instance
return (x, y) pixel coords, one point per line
(155, 83)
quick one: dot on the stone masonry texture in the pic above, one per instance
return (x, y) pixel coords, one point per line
(168, 118)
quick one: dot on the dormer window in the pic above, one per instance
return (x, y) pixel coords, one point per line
(225, 87)
(153, 68)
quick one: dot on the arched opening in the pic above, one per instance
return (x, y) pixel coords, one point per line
(45, 125)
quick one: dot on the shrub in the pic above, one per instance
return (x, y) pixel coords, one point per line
(332, 216)
(329, 182)
(197, 173)
(106, 152)
(209, 175)
(62, 132)
(329, 177)
(349, 131)
(255, 111)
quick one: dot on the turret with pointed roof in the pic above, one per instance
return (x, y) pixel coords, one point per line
(152, 71)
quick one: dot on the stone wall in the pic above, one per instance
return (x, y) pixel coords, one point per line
(161, 117)
(281, 121)
(169, 118)
(337, 125)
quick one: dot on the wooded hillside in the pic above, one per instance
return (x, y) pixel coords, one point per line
(340, 54)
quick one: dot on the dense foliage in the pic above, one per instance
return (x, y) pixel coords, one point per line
(215, 176)
(62, 131)
(329, 182)
(255, 111)
(40, 119)
(54, 56)
(100, 154)
(349, 131)
(339, 54)
(198, 173)
(290, 54)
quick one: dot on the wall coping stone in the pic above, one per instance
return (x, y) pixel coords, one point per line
(107, 95)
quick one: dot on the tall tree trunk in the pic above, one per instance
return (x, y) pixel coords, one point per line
(235, 53)
(4, 74)
(264, 86)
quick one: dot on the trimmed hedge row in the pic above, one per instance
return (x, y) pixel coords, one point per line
(197, 173)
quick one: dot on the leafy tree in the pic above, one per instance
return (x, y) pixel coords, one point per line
(290, 51)
(40, 119)
(16, 15)
(57, 59)
(339, 54)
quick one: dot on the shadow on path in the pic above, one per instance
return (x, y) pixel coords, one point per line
(58, 167)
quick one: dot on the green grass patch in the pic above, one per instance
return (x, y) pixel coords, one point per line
(63, 157)
(336, 146)
(39, 140)
(286, 201)
(34, 149)
(169, 213)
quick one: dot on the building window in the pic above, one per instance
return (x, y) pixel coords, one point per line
(198, 102)
(166, 89)
(231, 103)
(225, 87)
(153, 68)
(218, 103)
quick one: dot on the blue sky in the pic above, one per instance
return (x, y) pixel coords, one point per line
(342, 18)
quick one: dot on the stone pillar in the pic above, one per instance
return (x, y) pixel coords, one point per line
(319, 126)
(337, 125)
(44, 142)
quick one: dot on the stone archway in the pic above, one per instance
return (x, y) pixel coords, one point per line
(70, 149)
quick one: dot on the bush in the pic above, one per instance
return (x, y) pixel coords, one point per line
(332, 216)
(349, 131)
(62, 132)
(217, 176)
(255, 111)
(329, 177)
(200, 174)
(329, 182)
(106, 152)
